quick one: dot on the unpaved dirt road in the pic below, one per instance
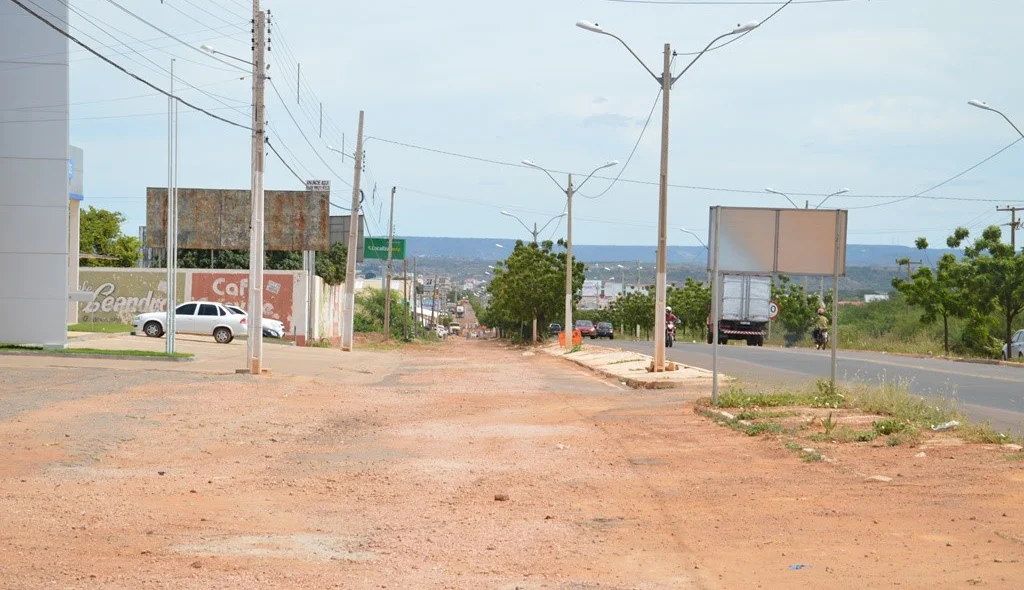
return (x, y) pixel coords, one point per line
(382, 469)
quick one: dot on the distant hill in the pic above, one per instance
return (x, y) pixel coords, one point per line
(486, 249)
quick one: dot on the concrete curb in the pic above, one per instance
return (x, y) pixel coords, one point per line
(632, 383)
(113, 357)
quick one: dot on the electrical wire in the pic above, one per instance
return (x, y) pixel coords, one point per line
(304, 136)
(636, 145)
(729, 2)
(944, 182)
(106, 100)
(274, 151)
(186, 44)
(741, 35)
(123, 70)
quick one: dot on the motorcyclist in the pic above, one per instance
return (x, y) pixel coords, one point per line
(670, 318)
(820, 324)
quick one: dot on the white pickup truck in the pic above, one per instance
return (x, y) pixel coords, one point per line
(454, 329)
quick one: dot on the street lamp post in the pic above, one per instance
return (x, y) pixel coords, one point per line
(534, 232)
(807, 205)
(984, 105)
(568, 190)
(666, 80)
(686, 231)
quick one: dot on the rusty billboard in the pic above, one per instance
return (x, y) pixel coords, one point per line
(218, 219)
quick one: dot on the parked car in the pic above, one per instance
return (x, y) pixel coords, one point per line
(194, 317)
(585, 328)
(441, 331)
(454, 329)
(605, 330)
(554, 329)
(271, 328)
(1018, 347)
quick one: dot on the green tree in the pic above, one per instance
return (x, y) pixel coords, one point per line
(938, 294)
(634, 309)
(530, 284)
(992, 276)
(330, 265)
(100, 234)
(692, 304)
(797, 308)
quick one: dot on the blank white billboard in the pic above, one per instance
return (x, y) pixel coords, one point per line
(754, 240)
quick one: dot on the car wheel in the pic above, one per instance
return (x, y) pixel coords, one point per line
(153, 329)
(223, 335)
(611, 337)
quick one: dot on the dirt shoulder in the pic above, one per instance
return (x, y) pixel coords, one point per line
(383, 469)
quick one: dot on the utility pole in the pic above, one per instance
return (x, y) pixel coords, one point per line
(416, 314)
(568, 268)
(433, 304)
(387, 278)
(909, 264)
(349, 303)
(405, 299)
(255, 340)
(1014, 224)
(660, 270)
(172, 218)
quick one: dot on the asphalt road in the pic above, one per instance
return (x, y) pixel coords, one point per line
(988, 392)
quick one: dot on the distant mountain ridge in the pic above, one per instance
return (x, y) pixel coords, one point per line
(487, 249)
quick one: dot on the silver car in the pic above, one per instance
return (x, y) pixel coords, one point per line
(1017, 352)
(193, 317)
(271, 328)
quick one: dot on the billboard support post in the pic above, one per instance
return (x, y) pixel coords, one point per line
(835, 300)
(716, 305)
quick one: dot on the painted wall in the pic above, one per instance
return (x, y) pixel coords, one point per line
(34, 176)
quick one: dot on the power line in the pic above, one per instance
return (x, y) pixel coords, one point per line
(303, 133)
(122, 69)
(186, 44)
(105, 100)
(744, 34)
(274, 150)
(729, 2)
(944, 182)
(694, 187)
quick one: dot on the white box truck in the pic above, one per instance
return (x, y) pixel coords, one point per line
(744, 309)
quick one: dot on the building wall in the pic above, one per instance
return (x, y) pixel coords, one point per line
(34, 176)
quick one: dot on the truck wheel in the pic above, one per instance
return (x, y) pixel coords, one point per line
(760, 340)
(153, 329)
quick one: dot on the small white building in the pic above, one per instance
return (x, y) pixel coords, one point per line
(872, 297)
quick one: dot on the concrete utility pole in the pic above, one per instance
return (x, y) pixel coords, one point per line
(405, 299)
(568, 268)
(348, 311)
(387, 278)
(254, 342)
(1014, 223)
(415, 310)
(170, 328)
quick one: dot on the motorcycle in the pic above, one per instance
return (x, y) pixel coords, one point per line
(670, 334)
(821, 340)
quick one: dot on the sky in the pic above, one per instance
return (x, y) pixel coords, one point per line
(865, 95)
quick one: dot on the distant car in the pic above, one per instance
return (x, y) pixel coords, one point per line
(441, 331)
(585, 328)
(554, 329)
(454, 329)
(194, 317)
(1017, 351)
(271, 328)
(605, 330)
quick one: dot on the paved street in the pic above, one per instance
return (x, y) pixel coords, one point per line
(988, 392)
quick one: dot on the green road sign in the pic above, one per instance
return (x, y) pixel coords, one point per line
(377, 248)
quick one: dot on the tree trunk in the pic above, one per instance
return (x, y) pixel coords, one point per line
(945, 332)
(1009, 335)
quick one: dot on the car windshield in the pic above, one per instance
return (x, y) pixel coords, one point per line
(604, 325)
(585, 323)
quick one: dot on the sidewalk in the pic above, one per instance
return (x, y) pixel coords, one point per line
(631, 368)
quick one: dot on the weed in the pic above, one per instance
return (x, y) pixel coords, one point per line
(575, 348)
(828, 424)
(1015, 456)
(889, 426)
(763, 427)
(793, 445)
(812, 457)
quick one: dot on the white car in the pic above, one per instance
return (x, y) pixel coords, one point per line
(194, 317)
(271, 328)
(1018, 347)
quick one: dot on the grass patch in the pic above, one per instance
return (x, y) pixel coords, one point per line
(1015, 456)
(764, 414)
(100, 351)
(101, 327)
(626, 361)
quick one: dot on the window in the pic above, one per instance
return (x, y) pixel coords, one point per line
(207, 309)
(236, 310)
(186, 309)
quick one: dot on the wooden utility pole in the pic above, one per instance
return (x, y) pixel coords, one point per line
(909, 264)
(1014, 223)
(387, 276)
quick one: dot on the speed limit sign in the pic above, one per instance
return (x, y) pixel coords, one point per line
(773, 310)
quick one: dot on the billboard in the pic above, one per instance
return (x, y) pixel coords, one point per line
(778, 241)
(377, 249)
(219, 219)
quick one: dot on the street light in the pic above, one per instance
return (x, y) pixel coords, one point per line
(568, 239)
(337, 151)
(535, 232)
(775, 192)
(666, 80)
(807, 205)
(686, 231)
(984, 105)
(209, 49)
(500, 246)
(838, 192)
